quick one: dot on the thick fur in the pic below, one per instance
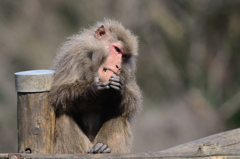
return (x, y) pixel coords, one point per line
(86, 116)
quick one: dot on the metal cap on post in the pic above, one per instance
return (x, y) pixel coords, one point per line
(36, 117)
(34, 80)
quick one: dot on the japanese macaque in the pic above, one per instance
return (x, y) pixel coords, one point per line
(94, 93)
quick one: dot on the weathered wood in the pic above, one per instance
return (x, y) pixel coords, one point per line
(228, 141)
(3, 156)
(154, 155)
(219, 146)
(36, 123)
(36, 117)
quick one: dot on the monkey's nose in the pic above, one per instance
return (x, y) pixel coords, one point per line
(118, 67)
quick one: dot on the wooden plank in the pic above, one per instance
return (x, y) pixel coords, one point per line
(220, 146)
(228, 141)
(154, 155)
(224, 145)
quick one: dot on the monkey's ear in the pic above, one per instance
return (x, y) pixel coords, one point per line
(100, 32)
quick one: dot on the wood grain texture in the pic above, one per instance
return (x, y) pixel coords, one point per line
(154, 155)
(36, 123)
(228, 142)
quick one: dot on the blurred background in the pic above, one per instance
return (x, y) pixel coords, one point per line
(188, 66)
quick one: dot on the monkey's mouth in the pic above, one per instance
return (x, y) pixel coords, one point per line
(105, 74)
(107, 69)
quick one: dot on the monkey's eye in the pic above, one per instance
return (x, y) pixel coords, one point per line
(125, 57)
(117, 49)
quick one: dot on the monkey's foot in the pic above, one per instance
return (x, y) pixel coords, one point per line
(100, 148)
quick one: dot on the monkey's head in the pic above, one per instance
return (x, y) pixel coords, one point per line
(121, 50)
(106, 49)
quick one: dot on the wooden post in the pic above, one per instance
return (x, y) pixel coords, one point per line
(36, 117)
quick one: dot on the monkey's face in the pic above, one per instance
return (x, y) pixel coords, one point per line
(112, 65)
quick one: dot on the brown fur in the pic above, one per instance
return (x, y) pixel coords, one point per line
(86, 116)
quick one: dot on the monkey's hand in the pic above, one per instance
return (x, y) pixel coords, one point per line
(116, 83)
(100, 148)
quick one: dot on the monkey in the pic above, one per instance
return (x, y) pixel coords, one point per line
(94, 92)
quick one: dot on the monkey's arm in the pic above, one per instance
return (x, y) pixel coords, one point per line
(68, 132)
(66, 95)
(130, 95)
(132, 100)
(115, 136)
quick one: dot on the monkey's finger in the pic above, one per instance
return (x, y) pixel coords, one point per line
(97, 147)
(96, 79)
(108, 150)
(103, 88)
(115, 87)
(102, 84)
(104, 147)
(115, 84)
(90, 151)
(116, 79)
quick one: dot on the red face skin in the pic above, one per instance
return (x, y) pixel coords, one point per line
(112, 66)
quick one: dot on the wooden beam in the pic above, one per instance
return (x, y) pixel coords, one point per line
(225, 142)
(219, 146)
(153, 155)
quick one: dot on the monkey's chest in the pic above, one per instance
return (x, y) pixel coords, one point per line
(91, 124)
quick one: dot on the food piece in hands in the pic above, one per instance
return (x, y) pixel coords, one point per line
(106, 75)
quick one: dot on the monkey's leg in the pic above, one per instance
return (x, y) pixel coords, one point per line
(116, 135)
(69, 138)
